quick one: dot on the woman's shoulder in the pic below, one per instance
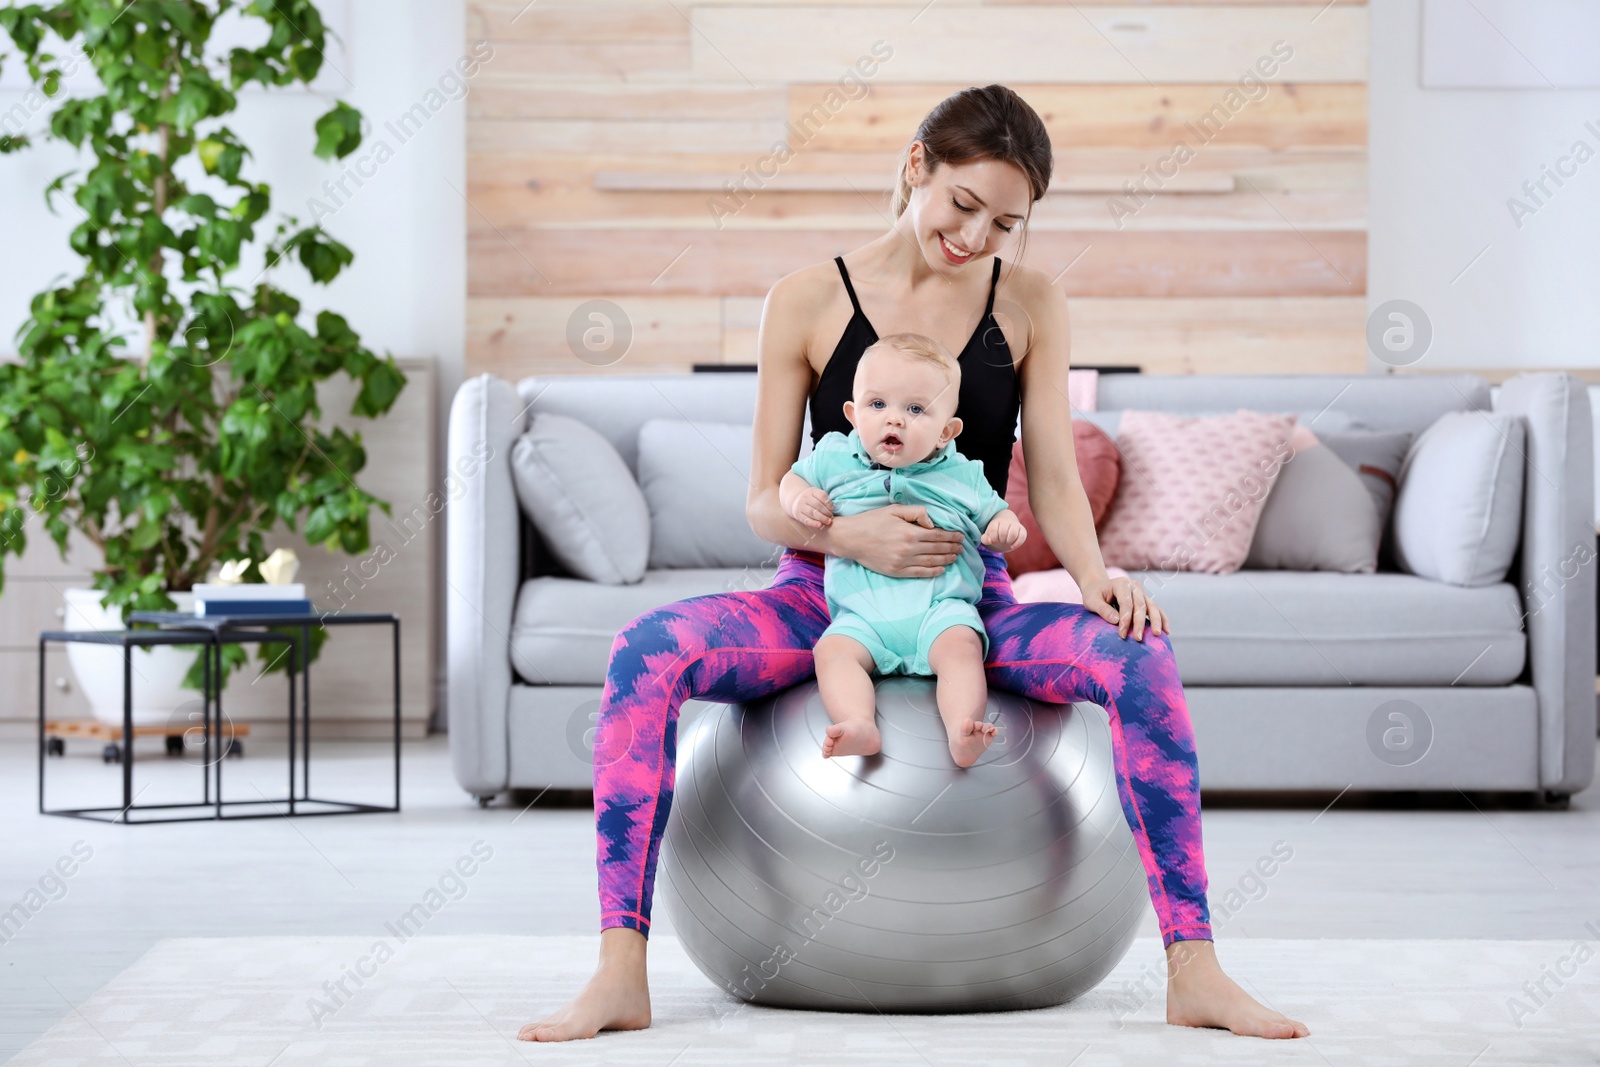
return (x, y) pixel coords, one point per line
(806, 291)
(1032, 292)
(1024, 286)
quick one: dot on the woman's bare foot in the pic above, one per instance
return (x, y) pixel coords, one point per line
(970, 739)
(854, 737)
(1199, 994)
(616, 998)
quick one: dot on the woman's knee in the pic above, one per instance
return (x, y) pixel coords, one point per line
(1150, 646)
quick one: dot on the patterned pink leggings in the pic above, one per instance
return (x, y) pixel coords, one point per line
(737, 646)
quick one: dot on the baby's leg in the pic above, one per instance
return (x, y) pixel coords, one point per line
(956, 656)
(844, 677)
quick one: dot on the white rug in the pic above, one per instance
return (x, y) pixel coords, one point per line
(459, 1001)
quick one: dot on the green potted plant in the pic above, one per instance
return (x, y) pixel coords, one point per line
(163, 399)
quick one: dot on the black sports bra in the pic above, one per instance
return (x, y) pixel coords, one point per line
(988, 403)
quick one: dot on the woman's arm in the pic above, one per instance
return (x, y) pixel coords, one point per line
(899, 540)
(1055, 491)
(783, 382)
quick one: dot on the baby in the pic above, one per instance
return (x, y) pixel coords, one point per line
(901, 452)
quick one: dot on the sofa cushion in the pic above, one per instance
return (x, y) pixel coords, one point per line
(695, 476)
(1318, 421)
(1099, 468)
(1055, 584)
(582, 498)
(1318, 517)
(1376, 456)
(562, 629)
(1321, 628)
(1192, 489)
(1458, 514)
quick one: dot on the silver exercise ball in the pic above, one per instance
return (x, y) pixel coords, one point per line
(900, 882)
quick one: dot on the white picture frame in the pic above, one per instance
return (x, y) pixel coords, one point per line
(1510, 44)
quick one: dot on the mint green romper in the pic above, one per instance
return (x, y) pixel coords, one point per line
(897, 619)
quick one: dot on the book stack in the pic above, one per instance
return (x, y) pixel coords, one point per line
(251, 598)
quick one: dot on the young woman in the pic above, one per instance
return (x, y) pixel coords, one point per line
(967, 182)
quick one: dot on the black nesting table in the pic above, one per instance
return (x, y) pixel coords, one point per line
(213, 633)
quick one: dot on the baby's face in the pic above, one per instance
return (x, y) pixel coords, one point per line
(903, 408)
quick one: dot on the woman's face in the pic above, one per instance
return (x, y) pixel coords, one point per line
(962, 212)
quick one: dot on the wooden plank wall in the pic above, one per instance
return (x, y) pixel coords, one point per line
(603, 134)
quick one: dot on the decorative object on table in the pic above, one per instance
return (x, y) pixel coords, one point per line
(251, 598)
(900, 882)
(232, 572)
(280, 567)
(199, 442)
(275, 596)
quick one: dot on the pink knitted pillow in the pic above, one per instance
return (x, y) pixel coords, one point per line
(1192, 488)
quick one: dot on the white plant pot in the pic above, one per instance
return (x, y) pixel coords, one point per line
(158, 693)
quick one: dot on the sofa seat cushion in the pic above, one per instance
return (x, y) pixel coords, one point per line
(1322, 628)
(562, 629)
(1244, 628)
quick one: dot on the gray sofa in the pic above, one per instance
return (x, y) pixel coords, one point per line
(1287, 674)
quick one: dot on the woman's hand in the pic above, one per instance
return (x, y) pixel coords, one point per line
(1132, 606)
(898, 540)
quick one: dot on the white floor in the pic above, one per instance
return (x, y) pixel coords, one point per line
(459, 1000)
(1364, 868)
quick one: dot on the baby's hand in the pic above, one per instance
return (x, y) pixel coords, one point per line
(1005, 532)
(813, 508)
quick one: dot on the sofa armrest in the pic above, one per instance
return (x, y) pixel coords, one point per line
(481, 576)
(1557, 574)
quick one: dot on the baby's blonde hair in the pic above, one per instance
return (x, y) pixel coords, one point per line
(917, 346)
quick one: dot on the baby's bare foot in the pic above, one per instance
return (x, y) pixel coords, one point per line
(853, 738)
(970, 740)
(615, 999)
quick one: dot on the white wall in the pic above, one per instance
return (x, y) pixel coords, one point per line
(406, 291)
(1444, 162)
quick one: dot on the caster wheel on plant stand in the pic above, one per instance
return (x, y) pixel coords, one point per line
(112, 753)
(55, 746)
(174, 744)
